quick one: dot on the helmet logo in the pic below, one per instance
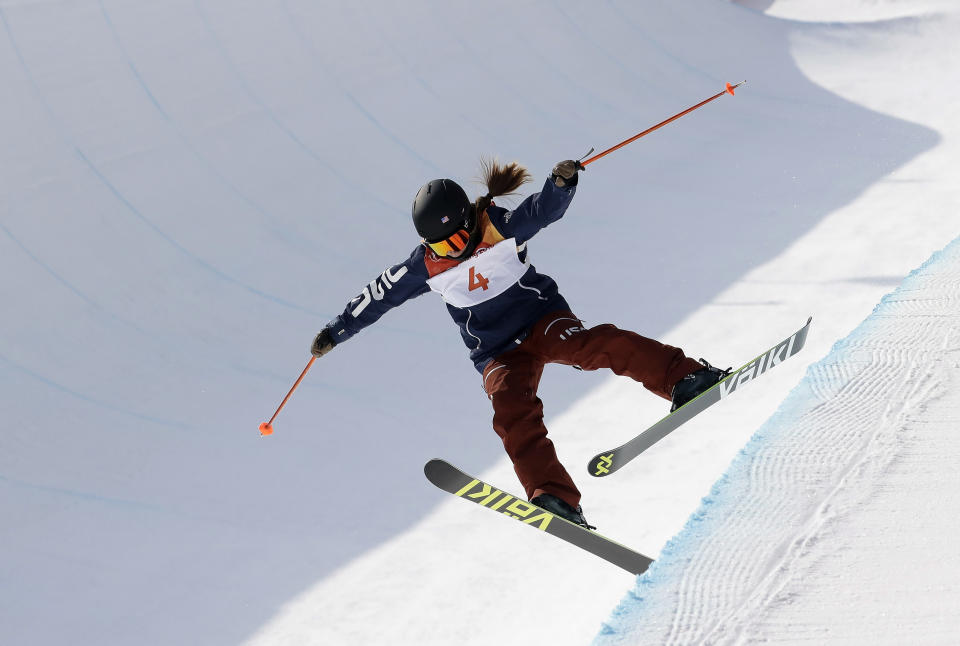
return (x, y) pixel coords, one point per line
(444, 219)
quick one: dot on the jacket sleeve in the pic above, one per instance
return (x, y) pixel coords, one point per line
(533, 213)
(395, 286)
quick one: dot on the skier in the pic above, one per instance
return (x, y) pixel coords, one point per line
(512, 318)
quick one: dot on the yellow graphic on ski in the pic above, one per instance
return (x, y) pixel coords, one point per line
(451, 479)
(603, 464)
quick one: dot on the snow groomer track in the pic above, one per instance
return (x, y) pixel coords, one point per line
(844, 483)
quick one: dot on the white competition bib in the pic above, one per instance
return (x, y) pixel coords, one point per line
(486, 275)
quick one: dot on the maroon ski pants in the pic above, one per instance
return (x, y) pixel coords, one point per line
(511, 382)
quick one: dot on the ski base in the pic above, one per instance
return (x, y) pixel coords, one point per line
(605, 463)
(452, 480)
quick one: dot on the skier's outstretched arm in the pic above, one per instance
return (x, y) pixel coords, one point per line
(395, 286)
(540, 209)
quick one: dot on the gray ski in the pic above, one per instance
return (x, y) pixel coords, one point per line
(453, 480)
(603, 464)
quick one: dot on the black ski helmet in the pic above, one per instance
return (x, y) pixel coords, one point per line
(440, 209)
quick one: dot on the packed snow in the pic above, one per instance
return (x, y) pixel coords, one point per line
(191, 189)
(835, 523)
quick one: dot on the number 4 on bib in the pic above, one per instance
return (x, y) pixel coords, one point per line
(477, 281)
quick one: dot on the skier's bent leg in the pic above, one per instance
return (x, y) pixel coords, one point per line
(511, 383)
(658, 366)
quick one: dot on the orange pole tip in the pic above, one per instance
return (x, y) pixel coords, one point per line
(730, 88)
(266, 429)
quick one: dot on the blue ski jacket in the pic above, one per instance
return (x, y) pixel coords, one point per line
(495, 296)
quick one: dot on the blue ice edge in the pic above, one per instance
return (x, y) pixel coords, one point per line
(640, 604)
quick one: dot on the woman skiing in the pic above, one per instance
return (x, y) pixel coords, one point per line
(512, 318)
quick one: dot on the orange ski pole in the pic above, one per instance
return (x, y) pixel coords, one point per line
(267, 427)
(729, 89)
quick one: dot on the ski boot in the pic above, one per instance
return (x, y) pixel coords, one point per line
(695, 383)
(562, 509)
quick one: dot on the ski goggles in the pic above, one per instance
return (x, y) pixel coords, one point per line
(454, 244)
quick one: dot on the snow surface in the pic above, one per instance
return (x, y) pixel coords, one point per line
(190, 189)
(833, 523)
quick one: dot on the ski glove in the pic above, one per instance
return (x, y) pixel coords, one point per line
(322, 343)
(565, 173)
